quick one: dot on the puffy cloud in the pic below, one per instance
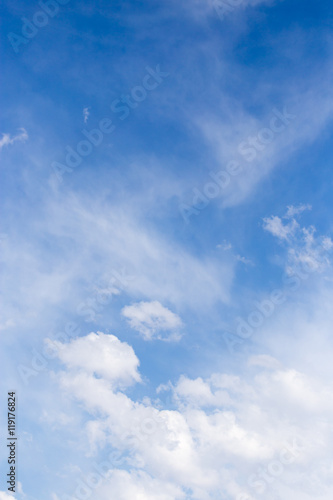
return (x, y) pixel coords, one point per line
(151, 318)
(5, 496)
(103, 355)
(7, 139)
(223, 428)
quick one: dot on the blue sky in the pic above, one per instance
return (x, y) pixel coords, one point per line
(166, 246)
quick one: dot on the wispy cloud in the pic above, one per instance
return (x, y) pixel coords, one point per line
(7, 139)
(305, 249)
(292, 211)
(86, 114)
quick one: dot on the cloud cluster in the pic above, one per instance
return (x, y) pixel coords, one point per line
(223, 429)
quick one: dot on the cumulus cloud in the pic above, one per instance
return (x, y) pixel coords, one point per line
(151, 318)
(103, 355)
(6, 496)
(7, 139)
(222, 428)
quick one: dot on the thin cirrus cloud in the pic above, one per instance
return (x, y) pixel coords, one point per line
(159, 271)
(152, 320)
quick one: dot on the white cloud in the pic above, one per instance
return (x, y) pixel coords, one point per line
(159, 268)
(138, 485)
(224, 135)
(292, 210)
(151, 318)
(305, 249)
(265, 361)
(275, 226)
(244, 260)
(86, 114)
(327, 243)
(6, 496)
(224, 428)
(20, 488)
(7, 139)
(103, 355)
(199, 9)
(226, 245)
